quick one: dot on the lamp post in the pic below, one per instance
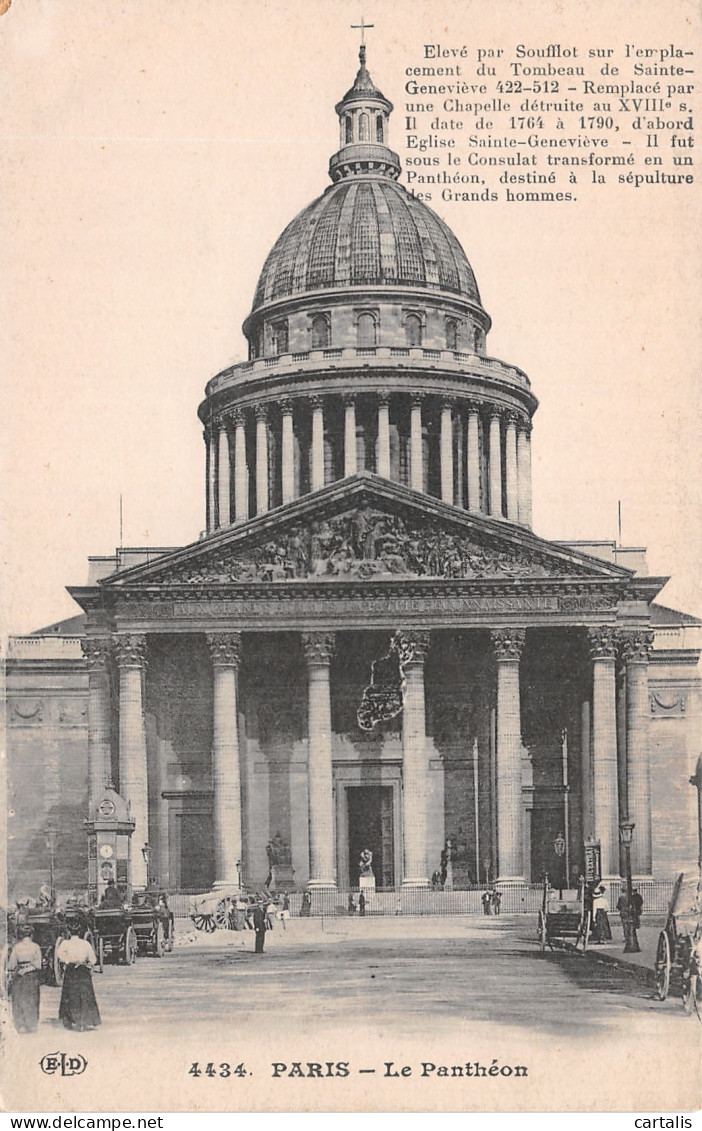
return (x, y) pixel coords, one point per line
(559, 847)
(146, 853)
(51, 840)
(238, 872)
(697, 781)
(631, 942)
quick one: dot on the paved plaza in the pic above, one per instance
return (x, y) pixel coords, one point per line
(412, 992)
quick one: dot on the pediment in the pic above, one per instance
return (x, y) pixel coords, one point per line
(367, 528)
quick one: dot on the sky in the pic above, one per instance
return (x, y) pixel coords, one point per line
(152, 152)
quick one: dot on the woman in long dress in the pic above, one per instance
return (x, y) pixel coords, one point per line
(78, 1008)
(24, 968)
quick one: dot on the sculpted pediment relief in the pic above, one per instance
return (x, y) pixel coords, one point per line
(367, 542)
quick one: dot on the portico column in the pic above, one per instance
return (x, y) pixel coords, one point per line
(241, 474)
(604, 747)
(495, 470)
(130, 650)
(261, 458)
(636, 651)
(317, 461)
(96, 652)
(512, 482)
(384, 435)
(349, 434)
(319, 648)
(446, 451)
(225, 517)
(508, 645)
(287, 455)
(473, 458)
(416, 454)
(524, 471)
(210, 435)
(225, 648)
(412, 648)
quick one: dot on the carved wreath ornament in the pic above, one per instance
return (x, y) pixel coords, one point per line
(367, 543)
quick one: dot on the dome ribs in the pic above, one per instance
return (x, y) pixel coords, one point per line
(365, 239)
(344, 241)
(410, 264)
(322, 252)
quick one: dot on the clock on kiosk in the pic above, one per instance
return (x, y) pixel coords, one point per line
(109, 846)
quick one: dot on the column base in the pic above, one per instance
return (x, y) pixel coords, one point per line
(321, 885)
(510, 882)
(416, 882)
(220, 885)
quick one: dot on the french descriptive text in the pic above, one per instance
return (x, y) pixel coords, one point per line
(547, 122)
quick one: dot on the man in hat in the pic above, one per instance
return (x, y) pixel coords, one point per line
(260, 926)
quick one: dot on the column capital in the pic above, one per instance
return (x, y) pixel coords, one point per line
(411, 645)
(512, 417)
(225, 648)
(286, 406)
(508, 643)
(471, 405)
(416, 400)
(318, 647)
(524, 424)
(383, 399)
(130, 649)
(349, 399)
(447, 403)
(635, 645)
(96, 650)
(316, 402)
(495, 411)
(602, 642)
(261, 412)
(237, 417)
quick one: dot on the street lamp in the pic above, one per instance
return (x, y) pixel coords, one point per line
(631, 942)
(51, 841)
(146, 853)
(559, 847)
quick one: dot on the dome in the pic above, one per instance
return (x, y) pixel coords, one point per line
(365, 231)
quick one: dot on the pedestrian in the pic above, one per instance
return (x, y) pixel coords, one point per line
(260, 927)
(351, 905)
(270, 914)
(637, 905)
(486, 900)
(602, 932)
(496, 900)
(24, 970)
(362, 904)
(306, 907)
(78, 1008)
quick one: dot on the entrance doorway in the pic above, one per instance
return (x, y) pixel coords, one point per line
(370, 824)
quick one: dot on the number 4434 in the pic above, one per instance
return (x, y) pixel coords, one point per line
(212, 1069)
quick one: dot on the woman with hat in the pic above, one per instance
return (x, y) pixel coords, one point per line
(24, 968)
(600, 907)
(78, 1008)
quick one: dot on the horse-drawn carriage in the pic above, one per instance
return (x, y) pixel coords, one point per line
(152, 923)
(563, 919)
(115, 937)
(222, 909)
(679, 950)
(48, 929)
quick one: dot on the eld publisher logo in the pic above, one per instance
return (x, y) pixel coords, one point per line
(63, 1063)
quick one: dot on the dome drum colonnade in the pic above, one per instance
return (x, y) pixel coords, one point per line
(464, 452)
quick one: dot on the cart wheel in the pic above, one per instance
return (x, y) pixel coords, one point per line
(159, 946)
(221, 914)
(130, 947)
(662, 967)
(586, 932)
(200, 922)
(58, 966)
(542, 934)
(4, 972)
(100, 952)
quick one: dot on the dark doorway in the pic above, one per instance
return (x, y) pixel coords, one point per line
(196, 851)
(370, 813)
